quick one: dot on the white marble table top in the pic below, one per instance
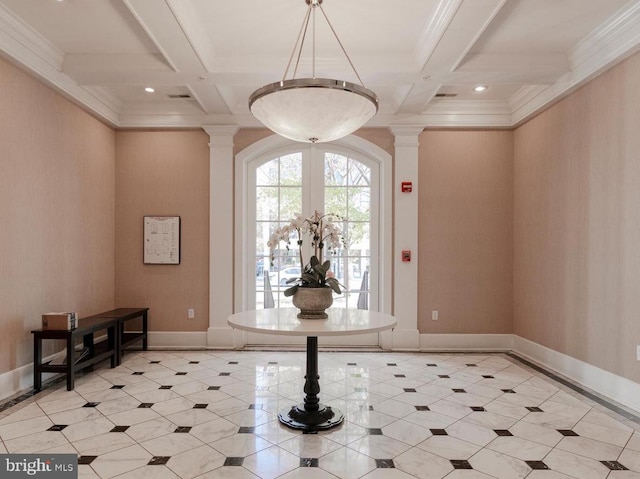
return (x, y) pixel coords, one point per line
(283, 321)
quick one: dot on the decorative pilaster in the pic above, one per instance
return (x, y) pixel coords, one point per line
(405, 274)
(219, 334)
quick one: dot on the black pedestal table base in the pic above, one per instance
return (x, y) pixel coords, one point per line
(311, 415)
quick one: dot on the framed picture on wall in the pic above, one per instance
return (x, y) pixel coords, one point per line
(161, 236)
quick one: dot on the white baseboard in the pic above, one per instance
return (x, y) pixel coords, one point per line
(466, 342)
(610, 385)
(177, 340)
(21, 379)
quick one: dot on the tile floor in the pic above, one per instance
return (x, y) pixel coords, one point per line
(212, 414)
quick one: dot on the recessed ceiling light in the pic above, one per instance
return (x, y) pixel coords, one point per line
(149, 89)
(480, 88)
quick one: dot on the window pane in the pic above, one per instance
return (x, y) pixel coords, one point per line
(335, 169)
(267, 174)
(290, 202)
(359, 174)
(335, 200)
(266, 203)
(291, 170)
(359, 204)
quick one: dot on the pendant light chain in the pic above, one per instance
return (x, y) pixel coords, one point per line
(302, 33)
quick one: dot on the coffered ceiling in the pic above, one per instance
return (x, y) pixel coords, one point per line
(422, 57)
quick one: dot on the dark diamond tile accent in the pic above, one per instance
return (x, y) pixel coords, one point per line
(410, 390)
(233, 461)
(256, 406)
(158, 460)
(472, 365)
(432, 365)
(183, 429)
(567, 432)
(309, 462)
(360, 390)
(154, 362)
(224, 374)
(478, 408)
(246, 430)
(57, 427)
(145, 405)
(614, 465)
(352, 364)
(399, 376)
(119, 429)
(438, 432)
(86, 459)
(460, 464)
(488, 376)
(137, 373)
(91, 404)
(508, 391)
(457, 390)
(213, 388)
(232, 362)
(502, 432)
(365, 407)
(392, 364)
(181, 374)
(374, 431)
(272, 362)
(422, 408)
(166, 387)
(385, 464)
(200, 406)
(117, 386)
(194, 362)
(443, 376)
(537, 465)
(534, 409)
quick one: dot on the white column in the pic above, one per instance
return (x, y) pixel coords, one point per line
(219, 335)
(405, 274)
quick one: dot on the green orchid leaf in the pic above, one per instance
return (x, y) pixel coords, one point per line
(291, 291)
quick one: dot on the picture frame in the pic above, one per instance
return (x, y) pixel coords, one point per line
(161, 240)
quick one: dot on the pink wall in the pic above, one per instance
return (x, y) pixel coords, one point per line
(577, 224)
(465, 231)
(57, 186)
(164, 173)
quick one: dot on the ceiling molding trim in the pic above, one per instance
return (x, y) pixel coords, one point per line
(435, 30)
(609, 44)
(193, 31)
(28, 48)
(21, 41)
(466, 51)
(150, 34)
(610, 41)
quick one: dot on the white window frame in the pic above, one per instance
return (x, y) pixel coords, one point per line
(274, 146)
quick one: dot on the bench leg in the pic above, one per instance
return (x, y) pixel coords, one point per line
(70, 373)
(37, 362)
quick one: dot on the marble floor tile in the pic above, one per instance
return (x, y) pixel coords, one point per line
(213, 414)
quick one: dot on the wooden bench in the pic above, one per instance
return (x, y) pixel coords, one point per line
(111, 348)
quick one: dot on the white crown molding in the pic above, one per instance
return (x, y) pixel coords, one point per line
(610, 43)
(28, 48)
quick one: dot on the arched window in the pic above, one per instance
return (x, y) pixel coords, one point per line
(281, 178)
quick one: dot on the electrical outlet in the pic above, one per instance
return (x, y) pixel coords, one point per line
(434, 315)
(191, 313)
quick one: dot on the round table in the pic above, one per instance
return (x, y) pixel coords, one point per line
(311, 415)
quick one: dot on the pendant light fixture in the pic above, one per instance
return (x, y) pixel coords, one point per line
(313, 110)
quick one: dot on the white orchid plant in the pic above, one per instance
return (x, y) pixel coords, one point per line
(324, 235)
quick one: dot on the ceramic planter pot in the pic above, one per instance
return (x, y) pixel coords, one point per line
(312, 302)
